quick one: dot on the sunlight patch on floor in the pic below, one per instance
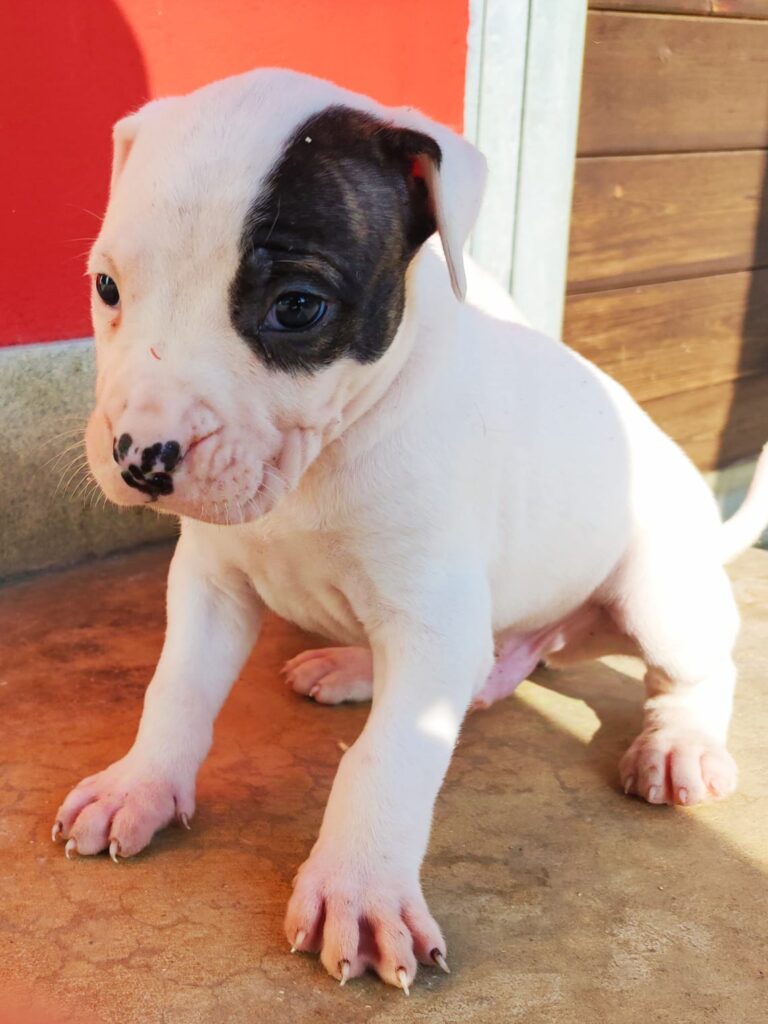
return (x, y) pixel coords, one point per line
(568, 714)
(626, 665)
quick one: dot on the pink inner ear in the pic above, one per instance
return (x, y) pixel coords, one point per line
(123, 146)
(418, 169)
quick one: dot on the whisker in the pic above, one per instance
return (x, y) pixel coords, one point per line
(98, 216)
(70, 429)
(69, 472)
(82, 487)
(87, 494)
(75, 459)
(281, 479)
(94, 496)
(74, 468)
(68, 434)
(73, 482)
(280, 476)
(67, 451)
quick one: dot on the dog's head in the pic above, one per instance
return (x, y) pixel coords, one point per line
(249, 282)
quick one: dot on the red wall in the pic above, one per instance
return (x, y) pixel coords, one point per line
(70, 68)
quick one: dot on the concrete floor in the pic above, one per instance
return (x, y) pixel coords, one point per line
(561, 900)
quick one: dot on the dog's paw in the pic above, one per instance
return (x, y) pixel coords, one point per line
(357, 920)
(332, 675)
(670, 767)
(120, 809)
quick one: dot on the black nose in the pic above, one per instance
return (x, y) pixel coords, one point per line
(170, 455)
(154, 485)
(120, 448)
(147, 476)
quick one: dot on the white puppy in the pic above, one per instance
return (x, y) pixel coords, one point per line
(283, 363)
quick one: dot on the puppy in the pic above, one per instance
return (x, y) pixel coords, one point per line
(286, 362)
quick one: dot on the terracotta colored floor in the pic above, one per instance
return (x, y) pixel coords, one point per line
(562, 901)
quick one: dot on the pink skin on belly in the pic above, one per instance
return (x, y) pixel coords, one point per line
(518, 656)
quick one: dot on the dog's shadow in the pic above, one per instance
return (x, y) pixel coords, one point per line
(615, 698)
(574, 718)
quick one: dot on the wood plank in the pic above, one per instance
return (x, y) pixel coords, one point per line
(662, 339)
(740, 8)
(654, 6)
(716, 425)
(715, 8)
(668, 83)
(657, 218)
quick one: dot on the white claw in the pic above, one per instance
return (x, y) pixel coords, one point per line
(440, 960)
(114, 850)
(300, 936)
(70, 848)
(185, 822)
(402, 977)
(56, 831)
(344, 971)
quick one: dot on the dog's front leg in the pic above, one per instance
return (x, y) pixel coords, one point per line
(357, 899)
(213, 622)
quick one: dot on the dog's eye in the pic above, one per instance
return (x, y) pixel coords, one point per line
(295, 311)
(107, 290)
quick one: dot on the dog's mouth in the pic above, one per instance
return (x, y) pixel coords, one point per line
(216, 478)
(197, 442)
(222, 506)
(215, 503)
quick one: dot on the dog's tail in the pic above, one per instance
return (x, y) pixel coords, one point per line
(750, 519)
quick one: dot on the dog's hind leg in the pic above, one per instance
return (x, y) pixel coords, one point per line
(332, 675)
(677, 604)
(588, 632)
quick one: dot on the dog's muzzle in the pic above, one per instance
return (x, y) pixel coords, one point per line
(148, 469)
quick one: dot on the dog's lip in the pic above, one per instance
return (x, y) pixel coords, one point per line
(199, 440)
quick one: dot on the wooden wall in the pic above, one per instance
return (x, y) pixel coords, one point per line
(668, 263)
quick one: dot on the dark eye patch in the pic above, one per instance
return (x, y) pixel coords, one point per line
(263, 277)
(340, 217)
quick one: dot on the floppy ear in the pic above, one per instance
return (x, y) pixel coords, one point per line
(123, 135)
(454, 174)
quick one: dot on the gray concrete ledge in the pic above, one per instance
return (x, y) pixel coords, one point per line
(49, 516)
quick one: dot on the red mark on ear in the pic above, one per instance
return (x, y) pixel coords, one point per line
(417, 168)
(157, 357)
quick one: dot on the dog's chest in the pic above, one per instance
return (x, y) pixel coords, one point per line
(305, 578)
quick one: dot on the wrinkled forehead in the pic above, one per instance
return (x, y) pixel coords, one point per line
(199, 164)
